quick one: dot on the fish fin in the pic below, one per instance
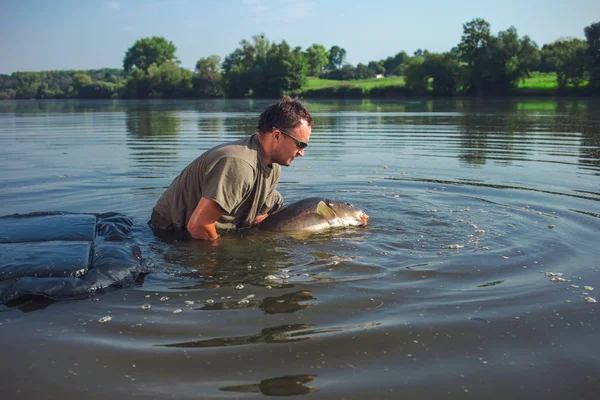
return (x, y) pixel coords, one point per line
(251, 388)
(303, 235)
(325, 211)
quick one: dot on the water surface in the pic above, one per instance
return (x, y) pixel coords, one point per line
(444, 295)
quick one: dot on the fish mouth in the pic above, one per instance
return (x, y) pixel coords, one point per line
(364, 218)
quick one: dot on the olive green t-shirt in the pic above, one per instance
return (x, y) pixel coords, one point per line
(233, 175)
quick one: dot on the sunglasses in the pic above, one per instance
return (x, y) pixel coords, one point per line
(299, 143)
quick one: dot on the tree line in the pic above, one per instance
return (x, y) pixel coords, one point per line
(481, 64)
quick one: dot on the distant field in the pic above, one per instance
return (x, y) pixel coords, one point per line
(539, 82)
(316, 83)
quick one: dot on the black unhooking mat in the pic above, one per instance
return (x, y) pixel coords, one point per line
(65, 256)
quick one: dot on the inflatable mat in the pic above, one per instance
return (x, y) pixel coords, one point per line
(64, 256)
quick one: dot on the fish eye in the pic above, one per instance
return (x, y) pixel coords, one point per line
(349, 204)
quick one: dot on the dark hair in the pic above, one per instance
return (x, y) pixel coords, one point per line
(287, 113)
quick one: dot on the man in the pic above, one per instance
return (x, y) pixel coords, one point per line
(233, 185)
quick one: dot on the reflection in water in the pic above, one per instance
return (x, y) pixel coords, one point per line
(277, 334)
(283, 386)
(153, 137)
(590, 141)
(240, 258)
(474, 131)
(576, 194)
(153, 124)
(240, 126)
(284, 304)
(473, 144)
(491, 136)
(211, 126)
(60, 107)
(30, 303)
(491, 284)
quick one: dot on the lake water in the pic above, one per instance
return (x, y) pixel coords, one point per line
(444, 295)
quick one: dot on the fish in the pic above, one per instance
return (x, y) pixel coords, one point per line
(314, 214)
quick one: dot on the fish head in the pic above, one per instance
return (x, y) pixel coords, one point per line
(346, 213)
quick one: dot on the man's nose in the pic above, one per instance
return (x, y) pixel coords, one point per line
(301, 152)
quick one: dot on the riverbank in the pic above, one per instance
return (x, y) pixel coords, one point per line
(538, 84)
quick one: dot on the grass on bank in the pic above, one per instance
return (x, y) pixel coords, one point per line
(316, 83)
(539, 83)
(539, 80)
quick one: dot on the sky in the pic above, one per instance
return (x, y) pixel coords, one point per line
(41, 35)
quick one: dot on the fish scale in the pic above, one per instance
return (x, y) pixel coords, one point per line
(314, 214)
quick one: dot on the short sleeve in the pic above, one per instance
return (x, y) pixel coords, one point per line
(273, 203)
(228, 182)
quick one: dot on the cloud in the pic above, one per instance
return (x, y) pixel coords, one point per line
(113, 5)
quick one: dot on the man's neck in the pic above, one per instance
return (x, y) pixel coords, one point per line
(264, 143)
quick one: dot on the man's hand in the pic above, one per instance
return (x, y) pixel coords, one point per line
(202, 222)
(259, 219)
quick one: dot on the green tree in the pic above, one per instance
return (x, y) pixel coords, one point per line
(284, 70)
(419, 53)
(169, 80)
(592, 36)
(567, 58)
(475, 41)
(28, 84)
(391, 64)
(263, 69)
(414, 75)
(317, 58)
(346, 73)
(443, 72)
(100, 83)
(100, 90)
(363, 72)
(510, 60)
(7, 94)
(474, 50)
(494, 65)
(86, 88)
(377, 67)
(299, 69)
(337, 57)
(148, 51)
(234, 74)
(207, 78)
(45, 92)
(81, 80)
(436, 72)
(7, 87)
(243, 67)
(137, 86)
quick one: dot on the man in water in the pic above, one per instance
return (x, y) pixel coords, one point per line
(232, 186)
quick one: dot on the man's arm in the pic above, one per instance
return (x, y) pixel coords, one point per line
(273, 204)
(202, 222)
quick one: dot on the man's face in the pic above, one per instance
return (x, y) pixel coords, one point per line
(288, 148)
